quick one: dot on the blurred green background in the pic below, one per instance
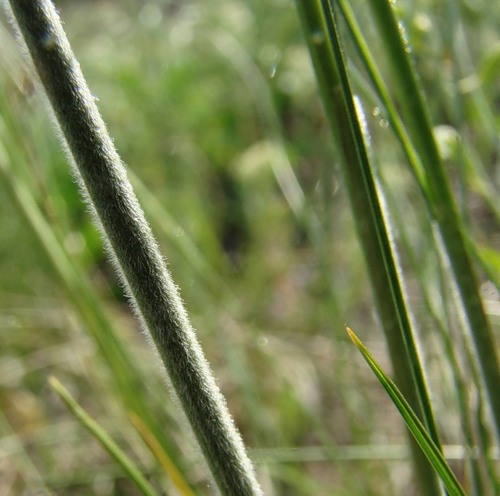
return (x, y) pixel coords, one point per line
(214, 108)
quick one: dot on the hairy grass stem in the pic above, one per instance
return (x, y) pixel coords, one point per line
(136, 256)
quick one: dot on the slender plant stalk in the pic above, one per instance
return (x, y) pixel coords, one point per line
(415, 426)
(135, 253)
(441, 200)
(324, 45)
(103, 437)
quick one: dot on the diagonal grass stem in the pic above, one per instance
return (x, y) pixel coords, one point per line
(137, 259)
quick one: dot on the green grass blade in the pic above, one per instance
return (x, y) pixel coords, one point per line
(477, 176)
(373, 231)
(382, 92)
(442, 317)
(429, 448)
(441, 201)
(386, 102)
(103, 437)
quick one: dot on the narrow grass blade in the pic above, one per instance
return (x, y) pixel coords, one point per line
(429, 448)
(103, 437)
(323, 40)
(443, 207)
(440, 313)
(382, 92)
(476, 175)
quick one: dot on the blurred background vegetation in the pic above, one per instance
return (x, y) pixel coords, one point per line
(214, 108)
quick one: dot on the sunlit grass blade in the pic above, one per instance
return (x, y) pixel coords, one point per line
(440, 312)
(442, 204)
(476, 175)
(429, 448)
(319, 24)
(382, 92)
(103, 437)
(161, 455)
(473, 166)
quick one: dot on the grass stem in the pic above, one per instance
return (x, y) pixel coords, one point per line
(148, 283)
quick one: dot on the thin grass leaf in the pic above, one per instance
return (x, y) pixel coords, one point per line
(429, 448)
(474, 170)
(414, 160)
(321, 31)
(440, 314)
(443, 207)
(103, 437)
(382, 91)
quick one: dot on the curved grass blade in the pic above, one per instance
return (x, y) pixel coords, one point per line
(477, 176)
(424, 440)
(103, 437)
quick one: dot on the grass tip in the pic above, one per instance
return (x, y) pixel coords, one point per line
(353, 336)
(54, 382)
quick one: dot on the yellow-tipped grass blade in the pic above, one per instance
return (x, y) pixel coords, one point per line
(411, 420)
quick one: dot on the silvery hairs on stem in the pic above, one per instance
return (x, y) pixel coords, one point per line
(134, 251)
